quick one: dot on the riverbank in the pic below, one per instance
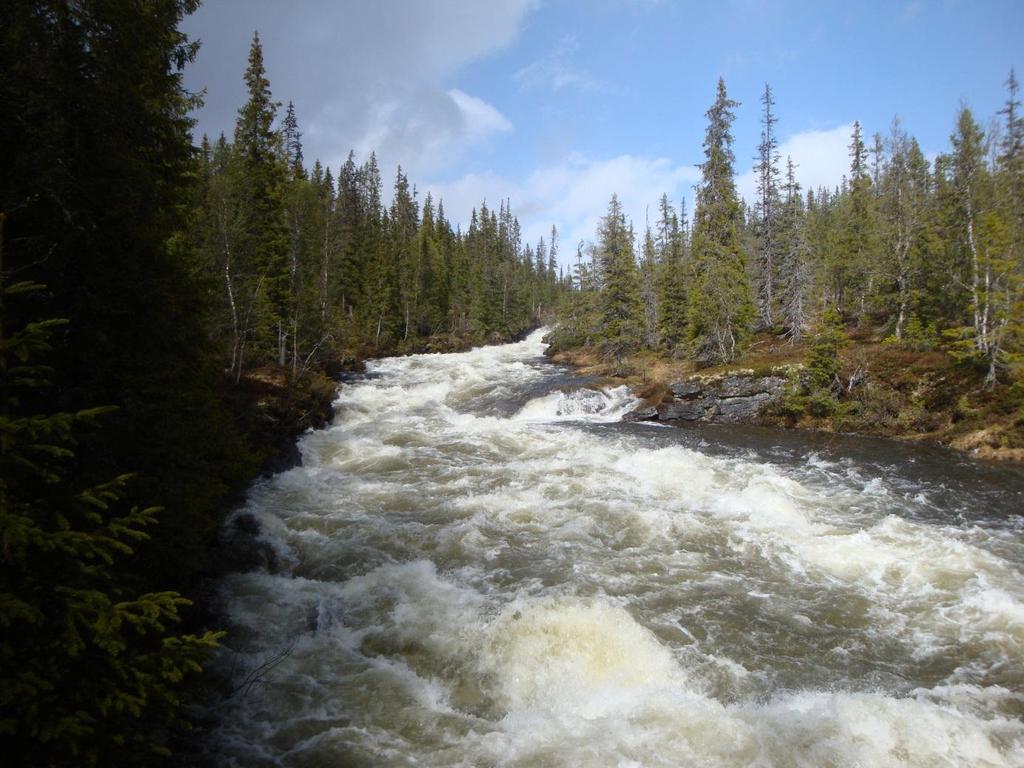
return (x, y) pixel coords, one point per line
(883, 390)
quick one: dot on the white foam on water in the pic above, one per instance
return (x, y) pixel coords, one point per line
(589, 659)
(585, 405)
(458, 587)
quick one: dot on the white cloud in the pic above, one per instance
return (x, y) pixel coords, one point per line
(573, 195)
(821, 158)
(480, 119)
(362, 75)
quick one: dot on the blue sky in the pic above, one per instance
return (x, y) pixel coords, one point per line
(556, 105)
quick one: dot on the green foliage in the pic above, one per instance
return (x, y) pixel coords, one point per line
(619, 305)
(920, 337)
(310, 273)
(795, 268)
(90, 672)
(578, 319)
(672, 275)
(850, 264)
(823, 362)
(768, 214)
(720, 311)
(821, 404)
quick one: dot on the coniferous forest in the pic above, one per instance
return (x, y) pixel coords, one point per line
(927, 250)
(925, 256)
(159, 288)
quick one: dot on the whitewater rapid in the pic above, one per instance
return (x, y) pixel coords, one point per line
(479, 564)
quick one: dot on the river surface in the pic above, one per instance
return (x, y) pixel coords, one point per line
(480, 565)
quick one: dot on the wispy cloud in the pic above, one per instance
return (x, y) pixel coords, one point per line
(746, 61)
(480, 119)
(556, 72)
(911, 10)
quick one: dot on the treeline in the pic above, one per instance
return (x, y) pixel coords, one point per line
(303, 267)
(150, 288)
(930, 253)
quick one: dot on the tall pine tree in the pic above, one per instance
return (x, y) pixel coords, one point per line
(621, 309)
(720, 310)
(766, 212)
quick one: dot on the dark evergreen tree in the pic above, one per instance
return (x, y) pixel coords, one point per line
(766, 212)
(91, 671)
(620, 305)
(720, 310)
(903, 201)
(670, 245)
(265, 277)
(648, 288)
(96, 198)
(291, 142)
(796, 277)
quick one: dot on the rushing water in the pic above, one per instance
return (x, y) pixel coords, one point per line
(482, 566)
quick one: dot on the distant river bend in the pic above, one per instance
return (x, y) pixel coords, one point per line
(480, 565)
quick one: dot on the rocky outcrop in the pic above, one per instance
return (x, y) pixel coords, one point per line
(736, 397)
(650, 413)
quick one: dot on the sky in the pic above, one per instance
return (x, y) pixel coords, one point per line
(557, 104)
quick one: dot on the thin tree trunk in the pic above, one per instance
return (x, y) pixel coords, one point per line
(979, 339)
(325, 265)
(985, 314)
(902, 316)
(236, 346)
(295, 348)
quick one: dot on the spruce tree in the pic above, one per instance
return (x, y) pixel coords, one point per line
(903, 196)
(1011, 203)
(972, 197)
(766, 212)
(795, 268)
(670, 245)
(648, 289)
(621, 310)
(264, 251)
(98, 180)
(291, 142)
(852, 264)
(91, 671)
(404, 223)
(998, 239)
(720, 310)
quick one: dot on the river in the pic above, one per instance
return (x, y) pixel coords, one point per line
(480, 565)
